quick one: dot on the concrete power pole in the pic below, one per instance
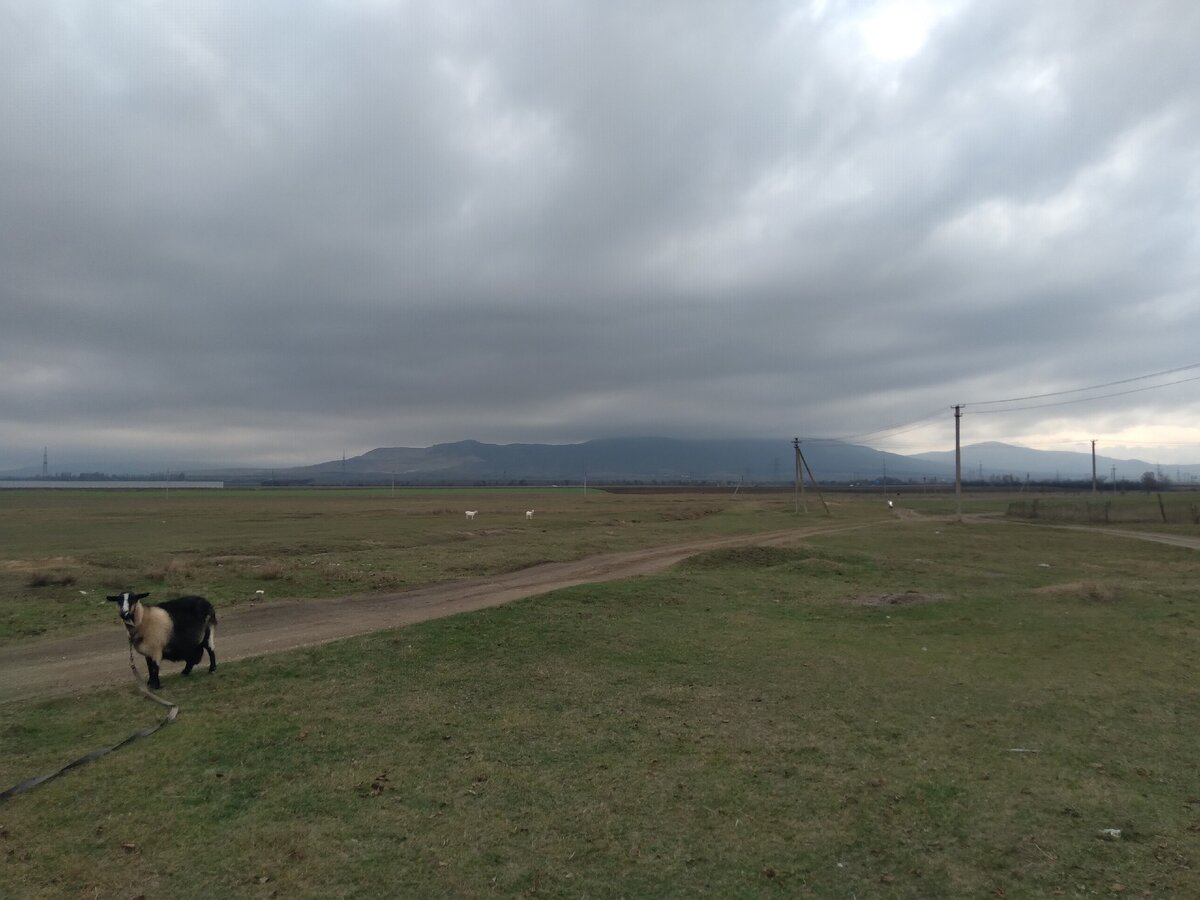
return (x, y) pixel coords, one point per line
(807, 468)
(958, 460)
(1093, 466)
(799, 490)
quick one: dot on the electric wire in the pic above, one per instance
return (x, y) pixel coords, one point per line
(1095, 387)
(913, 424)
(1152, 387)
(890, 431)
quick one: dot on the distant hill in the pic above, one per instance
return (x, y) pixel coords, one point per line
(997, 460)
(673, 461)
(647, 459)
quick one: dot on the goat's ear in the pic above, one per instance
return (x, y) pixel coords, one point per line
(141, 596)
(116, 599)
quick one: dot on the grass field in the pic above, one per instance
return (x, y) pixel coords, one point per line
(227, 545)
(918, 709)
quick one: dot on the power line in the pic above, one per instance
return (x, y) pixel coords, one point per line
(1094, 387)
(1152, 387)
(891, 431)
(913, 424)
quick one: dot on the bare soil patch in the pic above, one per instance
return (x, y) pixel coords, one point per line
(904, 598)
(1086, 590)
(26, 565)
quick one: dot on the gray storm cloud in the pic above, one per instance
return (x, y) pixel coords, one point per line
(265, 232)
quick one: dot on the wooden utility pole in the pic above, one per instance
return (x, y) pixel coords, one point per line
(957, 460)
(1093, 465)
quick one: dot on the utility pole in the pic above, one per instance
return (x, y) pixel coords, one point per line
(958, 460)
(1114, 479)
(1093, 465)
(804, 463)
(798, 492)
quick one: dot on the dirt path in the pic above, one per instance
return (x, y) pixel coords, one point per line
(98, 660)
(1175, 540)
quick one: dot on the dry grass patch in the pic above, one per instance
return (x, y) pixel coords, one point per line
(175, 571)
(268, 571)
(49, 562)
(686, 515)
(904, 598)
(231, 559)
(1079, 590)
(50, 579)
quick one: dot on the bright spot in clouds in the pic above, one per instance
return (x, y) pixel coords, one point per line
(896, 31)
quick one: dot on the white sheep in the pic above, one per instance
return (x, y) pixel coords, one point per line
(529, 513)
(471, 514)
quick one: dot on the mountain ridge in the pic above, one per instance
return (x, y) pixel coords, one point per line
(614, 459)
(683, 460)
(657, 459)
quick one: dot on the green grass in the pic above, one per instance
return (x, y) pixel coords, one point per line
(62, 551)
(1162, 511)
(837, 719)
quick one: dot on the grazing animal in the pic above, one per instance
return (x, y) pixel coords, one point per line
(179, 630)
(471, 513)
(529, 513)
(890, 505)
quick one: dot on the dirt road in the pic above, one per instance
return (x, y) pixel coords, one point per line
(1175, 540)
(89, 662)
(98, 660)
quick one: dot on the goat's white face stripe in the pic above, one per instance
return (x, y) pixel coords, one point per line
(127, 602)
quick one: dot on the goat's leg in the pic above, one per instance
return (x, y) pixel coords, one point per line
(195, 657)
(212, 655)
(152, 668)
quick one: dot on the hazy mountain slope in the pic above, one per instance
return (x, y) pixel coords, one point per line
(999, 459)
(646, 459)
(673, 460)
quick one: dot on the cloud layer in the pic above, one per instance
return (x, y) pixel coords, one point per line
(268, 232)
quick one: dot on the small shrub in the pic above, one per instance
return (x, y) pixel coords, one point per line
(175, 571)
(272, 571)
(746, 557)
(180, 568)
(50, 579)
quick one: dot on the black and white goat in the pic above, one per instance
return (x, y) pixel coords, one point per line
(177, 630)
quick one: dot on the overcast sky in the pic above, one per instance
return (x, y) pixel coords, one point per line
(270, 232)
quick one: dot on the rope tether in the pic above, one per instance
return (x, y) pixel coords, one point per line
(173, 711)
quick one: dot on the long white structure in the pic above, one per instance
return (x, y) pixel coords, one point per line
(110, 485)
